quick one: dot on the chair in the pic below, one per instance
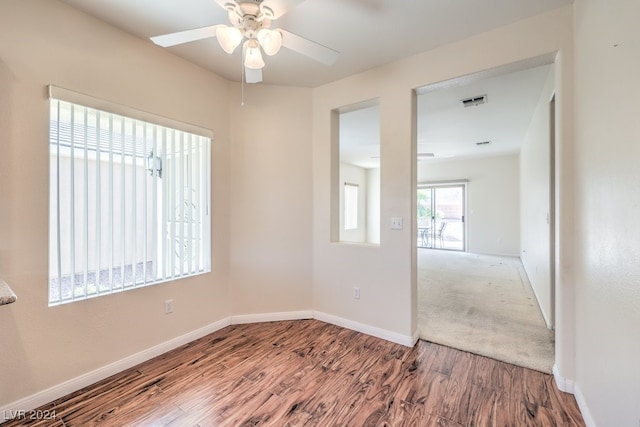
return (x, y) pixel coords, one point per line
(440, 233)
(423, 237)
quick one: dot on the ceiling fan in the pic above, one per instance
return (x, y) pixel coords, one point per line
(251, 22)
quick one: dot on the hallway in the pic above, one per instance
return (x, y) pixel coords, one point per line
(483, 304)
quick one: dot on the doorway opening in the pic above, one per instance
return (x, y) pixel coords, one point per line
(480, 296)
(441, 214)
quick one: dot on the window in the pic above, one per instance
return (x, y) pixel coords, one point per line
(350, 206)
(129, 203)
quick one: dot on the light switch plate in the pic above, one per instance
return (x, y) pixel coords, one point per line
(396, 223)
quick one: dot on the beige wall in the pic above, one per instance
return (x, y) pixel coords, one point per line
(492, 221)
(535, 158)
(271, 199)
(386, 274)
(42, 42)
(373, 206)
(607, 244)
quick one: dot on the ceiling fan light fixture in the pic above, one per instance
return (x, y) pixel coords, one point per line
(270, 40)
(253, 56)
(229, 38)
(250, 21)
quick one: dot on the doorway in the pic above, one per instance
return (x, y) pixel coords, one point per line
(441, 215)
(461, 294)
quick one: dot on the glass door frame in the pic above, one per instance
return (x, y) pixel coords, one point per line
(431, 228)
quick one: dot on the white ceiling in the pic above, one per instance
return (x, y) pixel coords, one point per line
(448, 129)
(367, 33)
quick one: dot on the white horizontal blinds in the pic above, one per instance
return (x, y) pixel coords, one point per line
(128, 204)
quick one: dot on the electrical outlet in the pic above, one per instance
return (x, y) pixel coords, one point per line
(168, 306)
(356, 293)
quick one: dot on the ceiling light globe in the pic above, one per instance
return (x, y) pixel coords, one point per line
(253, 56)
(229, 38)
(270, 40)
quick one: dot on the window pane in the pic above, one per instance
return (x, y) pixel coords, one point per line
(129, 203)
(350, 206)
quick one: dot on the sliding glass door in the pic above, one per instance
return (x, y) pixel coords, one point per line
(441, 213)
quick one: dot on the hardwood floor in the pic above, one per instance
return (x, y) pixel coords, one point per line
(307, 372)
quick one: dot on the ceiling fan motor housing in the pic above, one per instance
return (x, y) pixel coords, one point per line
(249, 17)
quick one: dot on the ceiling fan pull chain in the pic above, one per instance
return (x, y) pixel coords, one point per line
(242, 80)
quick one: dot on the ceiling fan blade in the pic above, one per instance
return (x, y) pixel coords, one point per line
(309, 48)
(187, 36)
(252, 76)
(226, 3)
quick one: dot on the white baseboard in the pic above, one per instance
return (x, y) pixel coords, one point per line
(406, 340)
(547, 321)
(415, 337)
(564, 384)
(516, 255)
(570, 386)
(546, 318)
(584, 409)
(271, 317)
(43, 397)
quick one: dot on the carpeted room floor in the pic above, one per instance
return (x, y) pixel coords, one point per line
(482, 304)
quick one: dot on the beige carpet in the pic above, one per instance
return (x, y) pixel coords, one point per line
(482, 304)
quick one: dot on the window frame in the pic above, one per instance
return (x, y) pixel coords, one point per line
(203, 140)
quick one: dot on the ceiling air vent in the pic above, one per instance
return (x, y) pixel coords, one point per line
(483, 143)
(474, 101)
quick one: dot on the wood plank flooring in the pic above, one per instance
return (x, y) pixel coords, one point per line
(310, 373)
